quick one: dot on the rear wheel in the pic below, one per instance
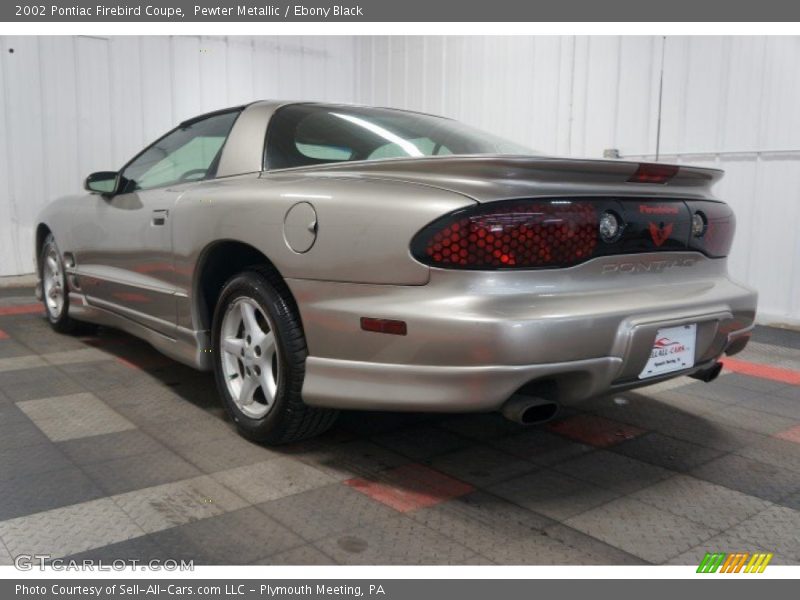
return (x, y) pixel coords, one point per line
(259, 360)
(55, 296)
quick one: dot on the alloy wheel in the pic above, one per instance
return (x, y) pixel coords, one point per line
(53, 282)
(249, 357)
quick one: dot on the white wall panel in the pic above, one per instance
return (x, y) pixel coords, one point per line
(213, 75)
(597, 92)
(780, 126)
(728, 102)
(265, 68)
(73, 105)
(25, 132)
(743, 95)
(451, 90)
(552, 81)
(58, 70)
(93, 76)
(157, 85)
(8, 221)
(239, 68)
(186, 76)
(127, 117)
(637, 99)
(313, 75)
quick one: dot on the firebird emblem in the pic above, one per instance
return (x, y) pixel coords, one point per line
(660, 234)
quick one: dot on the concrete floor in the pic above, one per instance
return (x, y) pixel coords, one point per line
(110, 450)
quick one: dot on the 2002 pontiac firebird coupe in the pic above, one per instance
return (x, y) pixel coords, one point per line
(321, 257)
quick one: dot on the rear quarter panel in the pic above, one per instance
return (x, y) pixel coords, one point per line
(363, 235)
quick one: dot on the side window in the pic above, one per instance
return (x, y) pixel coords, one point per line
(189, 153)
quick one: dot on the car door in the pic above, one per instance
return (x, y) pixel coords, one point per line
(124, 260)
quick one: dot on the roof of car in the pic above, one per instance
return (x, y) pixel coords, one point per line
(280, 103)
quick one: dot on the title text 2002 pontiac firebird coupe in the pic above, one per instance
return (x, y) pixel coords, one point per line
(321, 257)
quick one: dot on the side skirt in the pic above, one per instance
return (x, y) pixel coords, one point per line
(192, 348)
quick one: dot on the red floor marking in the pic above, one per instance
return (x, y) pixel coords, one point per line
(595, 431)
(790, 435)
(21, 309)
(762, 371)
(411, 487)
(3, 335)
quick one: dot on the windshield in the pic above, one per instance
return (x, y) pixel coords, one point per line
(309, 134)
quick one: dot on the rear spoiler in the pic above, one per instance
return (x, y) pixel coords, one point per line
(487, 178)
(536, 168)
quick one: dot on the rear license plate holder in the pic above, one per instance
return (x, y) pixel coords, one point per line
(673, 350)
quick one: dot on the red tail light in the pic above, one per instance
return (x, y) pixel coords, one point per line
(654, 173)
(560, 232)
(512, 234)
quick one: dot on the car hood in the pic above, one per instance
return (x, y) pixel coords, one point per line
(489, 178)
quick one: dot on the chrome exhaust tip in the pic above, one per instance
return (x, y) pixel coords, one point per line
(529, 410)
(708, 375)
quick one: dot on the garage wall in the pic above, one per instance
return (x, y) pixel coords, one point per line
(727, 102)
(73, 105)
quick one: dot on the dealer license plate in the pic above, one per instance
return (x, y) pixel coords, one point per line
(673, 350)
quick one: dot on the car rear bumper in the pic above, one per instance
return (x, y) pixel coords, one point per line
(475, 338)
(380, 386)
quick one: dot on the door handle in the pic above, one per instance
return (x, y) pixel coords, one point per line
(160, 217)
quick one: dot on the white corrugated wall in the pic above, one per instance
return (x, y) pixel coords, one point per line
(73, 105)
(728, 102)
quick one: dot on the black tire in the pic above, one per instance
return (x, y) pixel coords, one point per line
(60, 321)
(289, 419)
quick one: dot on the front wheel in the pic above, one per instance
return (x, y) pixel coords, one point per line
(259, 360)
(55, 296)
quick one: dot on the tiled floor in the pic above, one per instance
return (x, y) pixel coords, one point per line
(109, 450)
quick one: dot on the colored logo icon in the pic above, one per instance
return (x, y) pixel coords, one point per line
(736, 562)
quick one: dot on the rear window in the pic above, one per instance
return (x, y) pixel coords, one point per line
(308, 134)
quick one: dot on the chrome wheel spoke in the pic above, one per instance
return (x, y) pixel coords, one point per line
(249, 386)
(265, 345)
(52, 264)
(249, 319)
(267, 385)
(234, 346)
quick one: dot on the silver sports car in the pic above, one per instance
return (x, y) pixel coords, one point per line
(321, 257)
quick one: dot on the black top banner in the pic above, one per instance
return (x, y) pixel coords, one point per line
(401, 10)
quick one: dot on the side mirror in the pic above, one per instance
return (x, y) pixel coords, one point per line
(103, 182)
